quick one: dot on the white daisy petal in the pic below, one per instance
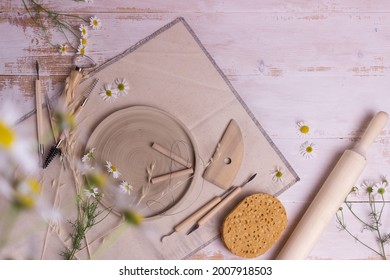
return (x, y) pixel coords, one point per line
(122, 86)
(84, 31)
(63, 49)
(112, 169)
(303, 129)
(125, 187)
(82, 49)
(277, 175)
(95, 23)
(308, 150)
(108, 93)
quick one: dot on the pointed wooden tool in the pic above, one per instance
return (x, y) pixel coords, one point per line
(227, 157)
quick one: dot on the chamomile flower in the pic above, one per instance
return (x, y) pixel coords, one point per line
(303, 129)
(108, 93)
(90, 192)
(84, 31)
(125, 187)
(16, 145)
(355, 191)
(83, 41)
(381, 188)
(62, 49)
(88, 157)
(277, 175)
(384, 180)
(82, 49)
(27, 194)
(368, 187)
(308, 150)
(95, 23)
(112, 169)
(122, 86)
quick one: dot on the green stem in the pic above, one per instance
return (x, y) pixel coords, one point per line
(357, 217)
(8, 224)
(357, 239)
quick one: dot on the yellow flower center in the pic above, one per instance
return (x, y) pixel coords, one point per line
(83, 31)
(121, 86)
(83, 41)
(95, 22)
(25, 201)
(113, 168)
(108, 92)
(278, 174)
(309, 149)
(304, 129)
(34, 185)
(7, 136)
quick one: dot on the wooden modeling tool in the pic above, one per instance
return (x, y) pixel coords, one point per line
(38, 104)
(171, 155)
(173, 175)
(56, 149)
(331, 195)
(201, 212)
(227, 157)
(225, 199)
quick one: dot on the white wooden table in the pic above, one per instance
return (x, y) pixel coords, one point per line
(324, 62)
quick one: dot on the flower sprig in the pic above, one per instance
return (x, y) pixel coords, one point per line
(375, 192)
(88, 202)
(44, 17)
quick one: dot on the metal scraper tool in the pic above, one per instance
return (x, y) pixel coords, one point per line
(227, 157)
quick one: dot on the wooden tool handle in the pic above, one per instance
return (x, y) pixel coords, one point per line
(374, 128)
(172, 175)
(220, 205)
(171, 155)
(197, 214)
(38, 103)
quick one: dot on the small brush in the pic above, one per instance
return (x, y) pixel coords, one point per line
(55, 150)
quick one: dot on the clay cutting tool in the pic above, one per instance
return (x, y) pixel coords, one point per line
(56, 150)
(217, 203)
(38, 104)
(227, 157)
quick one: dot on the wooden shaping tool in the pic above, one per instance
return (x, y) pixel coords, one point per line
(227, 157)
(331, 195)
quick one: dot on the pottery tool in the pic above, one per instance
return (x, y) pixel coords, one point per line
(50, 115)
(56, 150)
(225, 199)
(203, 210)
(227, 157)
(38, 104)
(173, 175)
(171, 155)
(332, 194)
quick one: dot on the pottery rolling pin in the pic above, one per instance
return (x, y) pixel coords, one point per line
(331, 195)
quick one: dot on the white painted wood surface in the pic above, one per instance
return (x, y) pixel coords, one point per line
(323, 62)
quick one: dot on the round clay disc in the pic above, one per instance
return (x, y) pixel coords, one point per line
(254, 225)
(125, 139)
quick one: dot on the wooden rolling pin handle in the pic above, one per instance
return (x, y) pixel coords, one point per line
(220, 205)
(375, 127)
(197, 214)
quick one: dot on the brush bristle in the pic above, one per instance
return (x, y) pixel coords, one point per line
(51, 155)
